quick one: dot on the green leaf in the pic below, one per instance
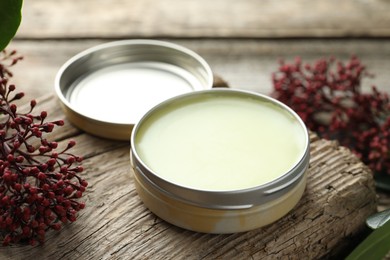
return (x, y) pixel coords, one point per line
(10, 17)
(379, 219)
(375, 246)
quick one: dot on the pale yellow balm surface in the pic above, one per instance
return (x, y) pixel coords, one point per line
(221, 143)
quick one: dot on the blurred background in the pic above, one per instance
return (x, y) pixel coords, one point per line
(241, 40)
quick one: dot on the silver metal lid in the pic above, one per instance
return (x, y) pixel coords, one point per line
(106, 89)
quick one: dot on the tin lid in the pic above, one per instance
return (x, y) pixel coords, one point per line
(106, 89)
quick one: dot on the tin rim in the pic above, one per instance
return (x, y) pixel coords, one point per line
(63, 80)
(234, 199)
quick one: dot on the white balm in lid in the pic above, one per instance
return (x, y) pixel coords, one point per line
(221, 142)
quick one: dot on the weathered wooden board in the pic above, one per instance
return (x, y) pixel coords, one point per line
(116, 225)
(204, 18)
(245, 64)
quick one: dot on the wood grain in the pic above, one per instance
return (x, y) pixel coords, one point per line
(243, 64)
(204, 18)
(115, 224)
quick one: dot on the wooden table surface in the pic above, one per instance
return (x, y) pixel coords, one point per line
(241, 40)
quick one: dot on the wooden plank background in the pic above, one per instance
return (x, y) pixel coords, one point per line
(243, 64)
(242, 41)
(205, 18)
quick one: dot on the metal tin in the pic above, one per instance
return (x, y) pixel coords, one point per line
(106, 89)
(218, 211)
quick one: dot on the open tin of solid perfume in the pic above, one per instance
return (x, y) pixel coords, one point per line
(220, 160)
(106, 89)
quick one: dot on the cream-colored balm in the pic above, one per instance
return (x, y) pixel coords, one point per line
(221, 143)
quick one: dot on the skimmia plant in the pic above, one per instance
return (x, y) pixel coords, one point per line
(39, 183)
(328, 97)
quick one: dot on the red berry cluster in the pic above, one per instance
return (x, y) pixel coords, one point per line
(328, 98)
(39, 186)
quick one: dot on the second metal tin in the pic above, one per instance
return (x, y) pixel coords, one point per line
(106, 89)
